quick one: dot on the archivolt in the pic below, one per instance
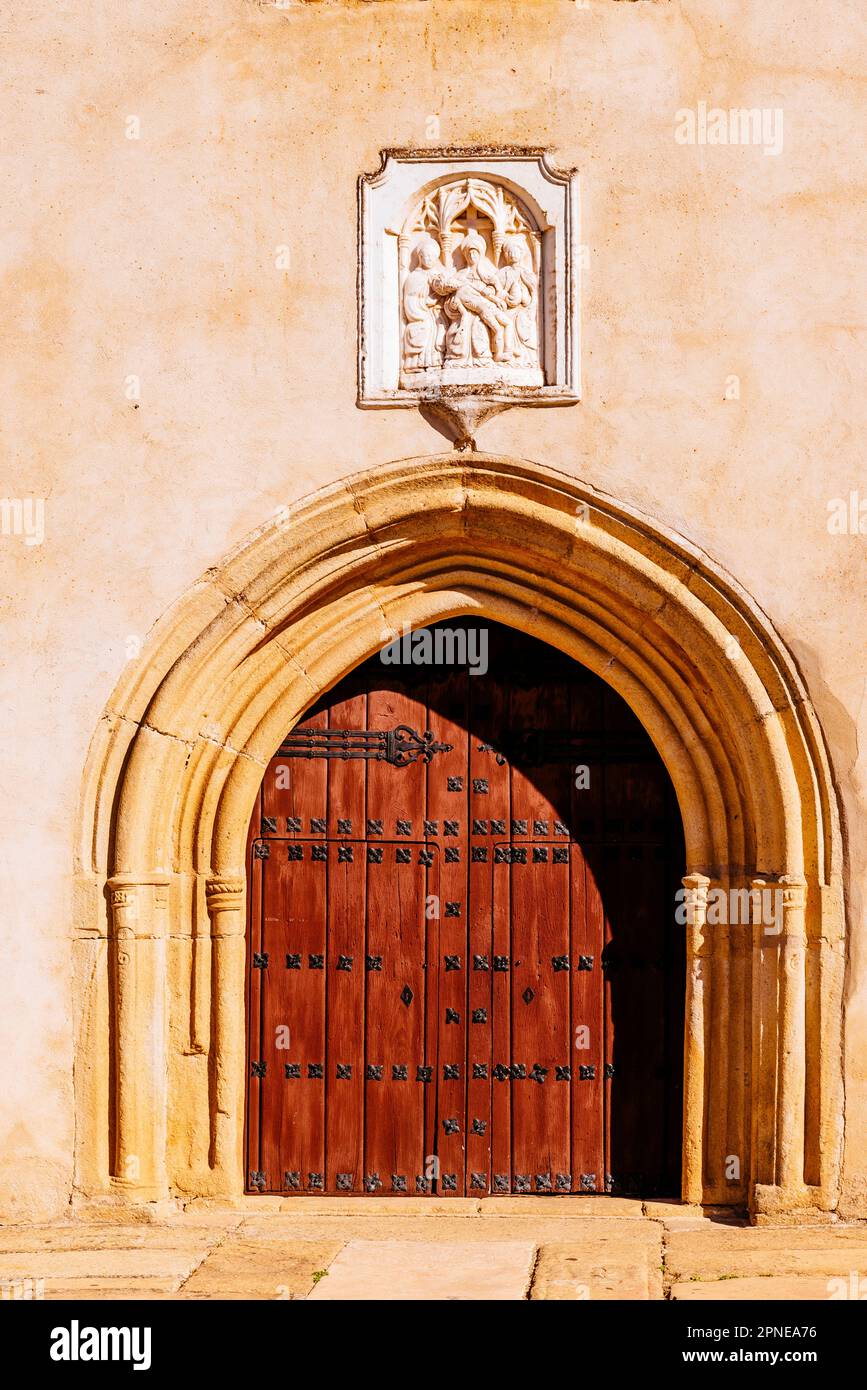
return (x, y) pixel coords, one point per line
(181, 750)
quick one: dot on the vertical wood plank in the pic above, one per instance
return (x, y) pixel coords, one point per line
(347, 910)
(447, 819)
(293, 991)
(488, 1100)
(395, 992)
(540, 910)
(253, 1108)
(589, 1100)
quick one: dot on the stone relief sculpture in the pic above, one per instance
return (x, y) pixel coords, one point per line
(469, 268)
(422, 334)
(469, 285)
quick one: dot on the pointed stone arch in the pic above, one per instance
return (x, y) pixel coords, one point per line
(181, 749)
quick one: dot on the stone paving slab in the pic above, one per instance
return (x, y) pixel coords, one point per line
(398, 1270)
(716, 1264)
(362, 1208)
(751, 1290)
(597, 1235)
(246, 1268)
(101, 1265)
(745, 1237)
(628, 1269)
(572, 1208)
(757, 1251)
(508, 1248)
(74, 1237)
(144, 1289)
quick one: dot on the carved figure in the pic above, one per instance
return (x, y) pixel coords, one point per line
(469, 288)
(422, 332)
(520, 286)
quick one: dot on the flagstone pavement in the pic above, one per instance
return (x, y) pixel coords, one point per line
(391, 1248)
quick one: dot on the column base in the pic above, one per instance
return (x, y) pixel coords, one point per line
(133, 1209)
(789, 1206)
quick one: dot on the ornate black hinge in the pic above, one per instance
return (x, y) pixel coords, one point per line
(400, 746)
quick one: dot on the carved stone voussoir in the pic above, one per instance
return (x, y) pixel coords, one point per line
(469, 284)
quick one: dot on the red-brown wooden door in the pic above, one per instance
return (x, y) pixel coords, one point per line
(464, 974)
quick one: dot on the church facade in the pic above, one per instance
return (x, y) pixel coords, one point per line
(435, 648)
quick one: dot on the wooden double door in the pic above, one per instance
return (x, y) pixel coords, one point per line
(464, 973)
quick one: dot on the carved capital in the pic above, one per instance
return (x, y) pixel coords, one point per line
(224, 895)
(794, 889)
(778, 907)
(695, 901)
(138, 903)
(696, 886)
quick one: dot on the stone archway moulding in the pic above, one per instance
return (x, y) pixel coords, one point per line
(180, 752)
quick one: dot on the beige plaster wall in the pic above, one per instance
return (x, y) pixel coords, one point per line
(155, 258)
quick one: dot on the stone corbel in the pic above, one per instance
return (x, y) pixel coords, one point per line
(461, 413)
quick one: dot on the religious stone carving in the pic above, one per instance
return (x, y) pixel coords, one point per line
(469, 260)
(469, 285)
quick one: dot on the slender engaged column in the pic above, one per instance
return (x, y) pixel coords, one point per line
(719, 1022)
(765, 1019)
(225, 899)
(697, 990)
(793, 1035)
(139, 911)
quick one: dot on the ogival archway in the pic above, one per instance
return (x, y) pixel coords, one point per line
(179, 756)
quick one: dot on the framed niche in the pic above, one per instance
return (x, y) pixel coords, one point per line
(468, 281)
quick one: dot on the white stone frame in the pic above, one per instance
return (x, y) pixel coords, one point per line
(384, 201)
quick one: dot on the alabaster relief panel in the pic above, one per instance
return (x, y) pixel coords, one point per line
(468, 279)
(469, 258)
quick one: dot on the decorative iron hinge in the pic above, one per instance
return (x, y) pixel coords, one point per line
(399, 746)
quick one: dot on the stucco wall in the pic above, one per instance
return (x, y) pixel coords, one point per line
(155, 258)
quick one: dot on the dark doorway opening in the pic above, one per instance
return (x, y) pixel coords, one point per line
(464, 972)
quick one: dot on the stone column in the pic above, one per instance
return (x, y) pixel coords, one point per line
(763, 1067)
(740, 1051)
(793, 1036)
(779, 1048)
(718, 1031)
(698, 951)
(139, 909)
(225, 900)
